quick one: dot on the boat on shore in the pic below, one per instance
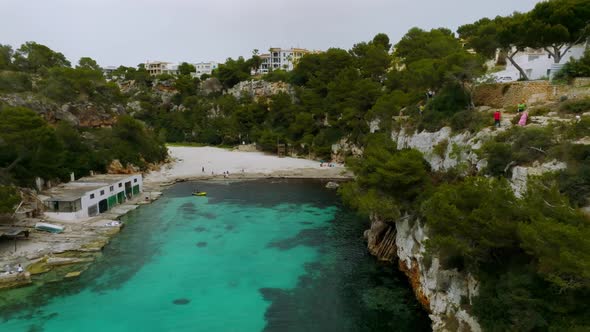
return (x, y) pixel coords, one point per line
(200, 193)
(42, 226)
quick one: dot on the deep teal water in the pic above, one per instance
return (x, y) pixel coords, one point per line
(252, 256)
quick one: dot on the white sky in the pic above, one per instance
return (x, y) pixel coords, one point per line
(128, 32)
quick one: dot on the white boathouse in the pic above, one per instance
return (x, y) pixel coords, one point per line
(90, 196)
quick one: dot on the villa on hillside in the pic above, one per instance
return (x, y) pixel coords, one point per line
(279, 58)
(156, 68)
(204, 68)
(536, 63)
(89, 196)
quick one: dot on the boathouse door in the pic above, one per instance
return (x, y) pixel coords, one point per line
(103, 206)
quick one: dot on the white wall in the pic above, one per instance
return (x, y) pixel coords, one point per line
(87, 202)
(537, 67)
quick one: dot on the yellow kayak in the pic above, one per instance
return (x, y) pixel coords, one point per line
(200, 193)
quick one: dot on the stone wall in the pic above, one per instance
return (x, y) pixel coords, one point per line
(504, 95)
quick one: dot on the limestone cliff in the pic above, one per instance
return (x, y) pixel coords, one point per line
(445, 294)
(258, 89)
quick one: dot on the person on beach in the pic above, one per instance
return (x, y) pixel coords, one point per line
(19, 269)
(203, 169)
(497, 117)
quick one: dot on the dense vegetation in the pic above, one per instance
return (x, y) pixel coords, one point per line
(31, 147)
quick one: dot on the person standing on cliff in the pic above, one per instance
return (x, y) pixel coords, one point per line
(521, 107)
(497, 117)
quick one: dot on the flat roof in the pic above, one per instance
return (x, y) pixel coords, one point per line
(71, 191)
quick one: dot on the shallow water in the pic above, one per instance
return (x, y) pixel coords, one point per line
(251, 256)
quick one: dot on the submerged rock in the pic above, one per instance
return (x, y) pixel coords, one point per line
(181, 301)
(332, 185)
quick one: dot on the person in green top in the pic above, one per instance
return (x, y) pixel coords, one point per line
(521, 107)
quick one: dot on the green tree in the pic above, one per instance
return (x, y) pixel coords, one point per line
(6, 54)
(28, 147)
(556, 26)
(88, 63)
(33, 57)
(507, 34)
(9, 198)
(232, 72)
(471, 221)
(186, 69)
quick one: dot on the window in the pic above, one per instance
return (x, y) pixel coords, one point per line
(120, 185)
(134, 180)
(112, 188)
(101, 192)
(91, 196)
(533, 57)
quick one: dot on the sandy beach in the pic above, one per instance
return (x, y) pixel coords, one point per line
(210, 162)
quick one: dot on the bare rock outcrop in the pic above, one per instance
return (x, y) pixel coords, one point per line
(116, 167)
(79, 114)
(258, 89)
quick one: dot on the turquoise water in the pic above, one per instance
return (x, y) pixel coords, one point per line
(251, 256)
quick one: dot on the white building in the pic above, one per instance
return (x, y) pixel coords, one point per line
(108, 70)
(89, 196)
(204, 68)
(537, 64)
(278, 58)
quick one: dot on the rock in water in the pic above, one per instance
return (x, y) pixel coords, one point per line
(332, 185)
(181, 301)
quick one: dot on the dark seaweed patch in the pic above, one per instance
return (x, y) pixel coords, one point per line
(181, 301)
(201, 244)
(230, 227)
(308, 237)
(200, 229)
(188, 208)
(207, 215)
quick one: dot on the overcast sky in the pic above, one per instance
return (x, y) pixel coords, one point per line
(128, 32)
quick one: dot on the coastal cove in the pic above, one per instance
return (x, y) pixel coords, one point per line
(260, 255)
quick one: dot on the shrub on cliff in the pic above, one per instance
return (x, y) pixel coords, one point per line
(9, 198)
(531, 255)
(471, 221)
(12, 81)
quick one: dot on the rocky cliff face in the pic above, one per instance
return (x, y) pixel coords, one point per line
(79, 114)
(445, 294)
(443, 150)
(258, 89)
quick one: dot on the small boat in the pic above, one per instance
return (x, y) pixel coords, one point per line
(200, 193)
(42, 226)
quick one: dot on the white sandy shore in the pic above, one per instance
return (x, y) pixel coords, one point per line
(189, 163)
